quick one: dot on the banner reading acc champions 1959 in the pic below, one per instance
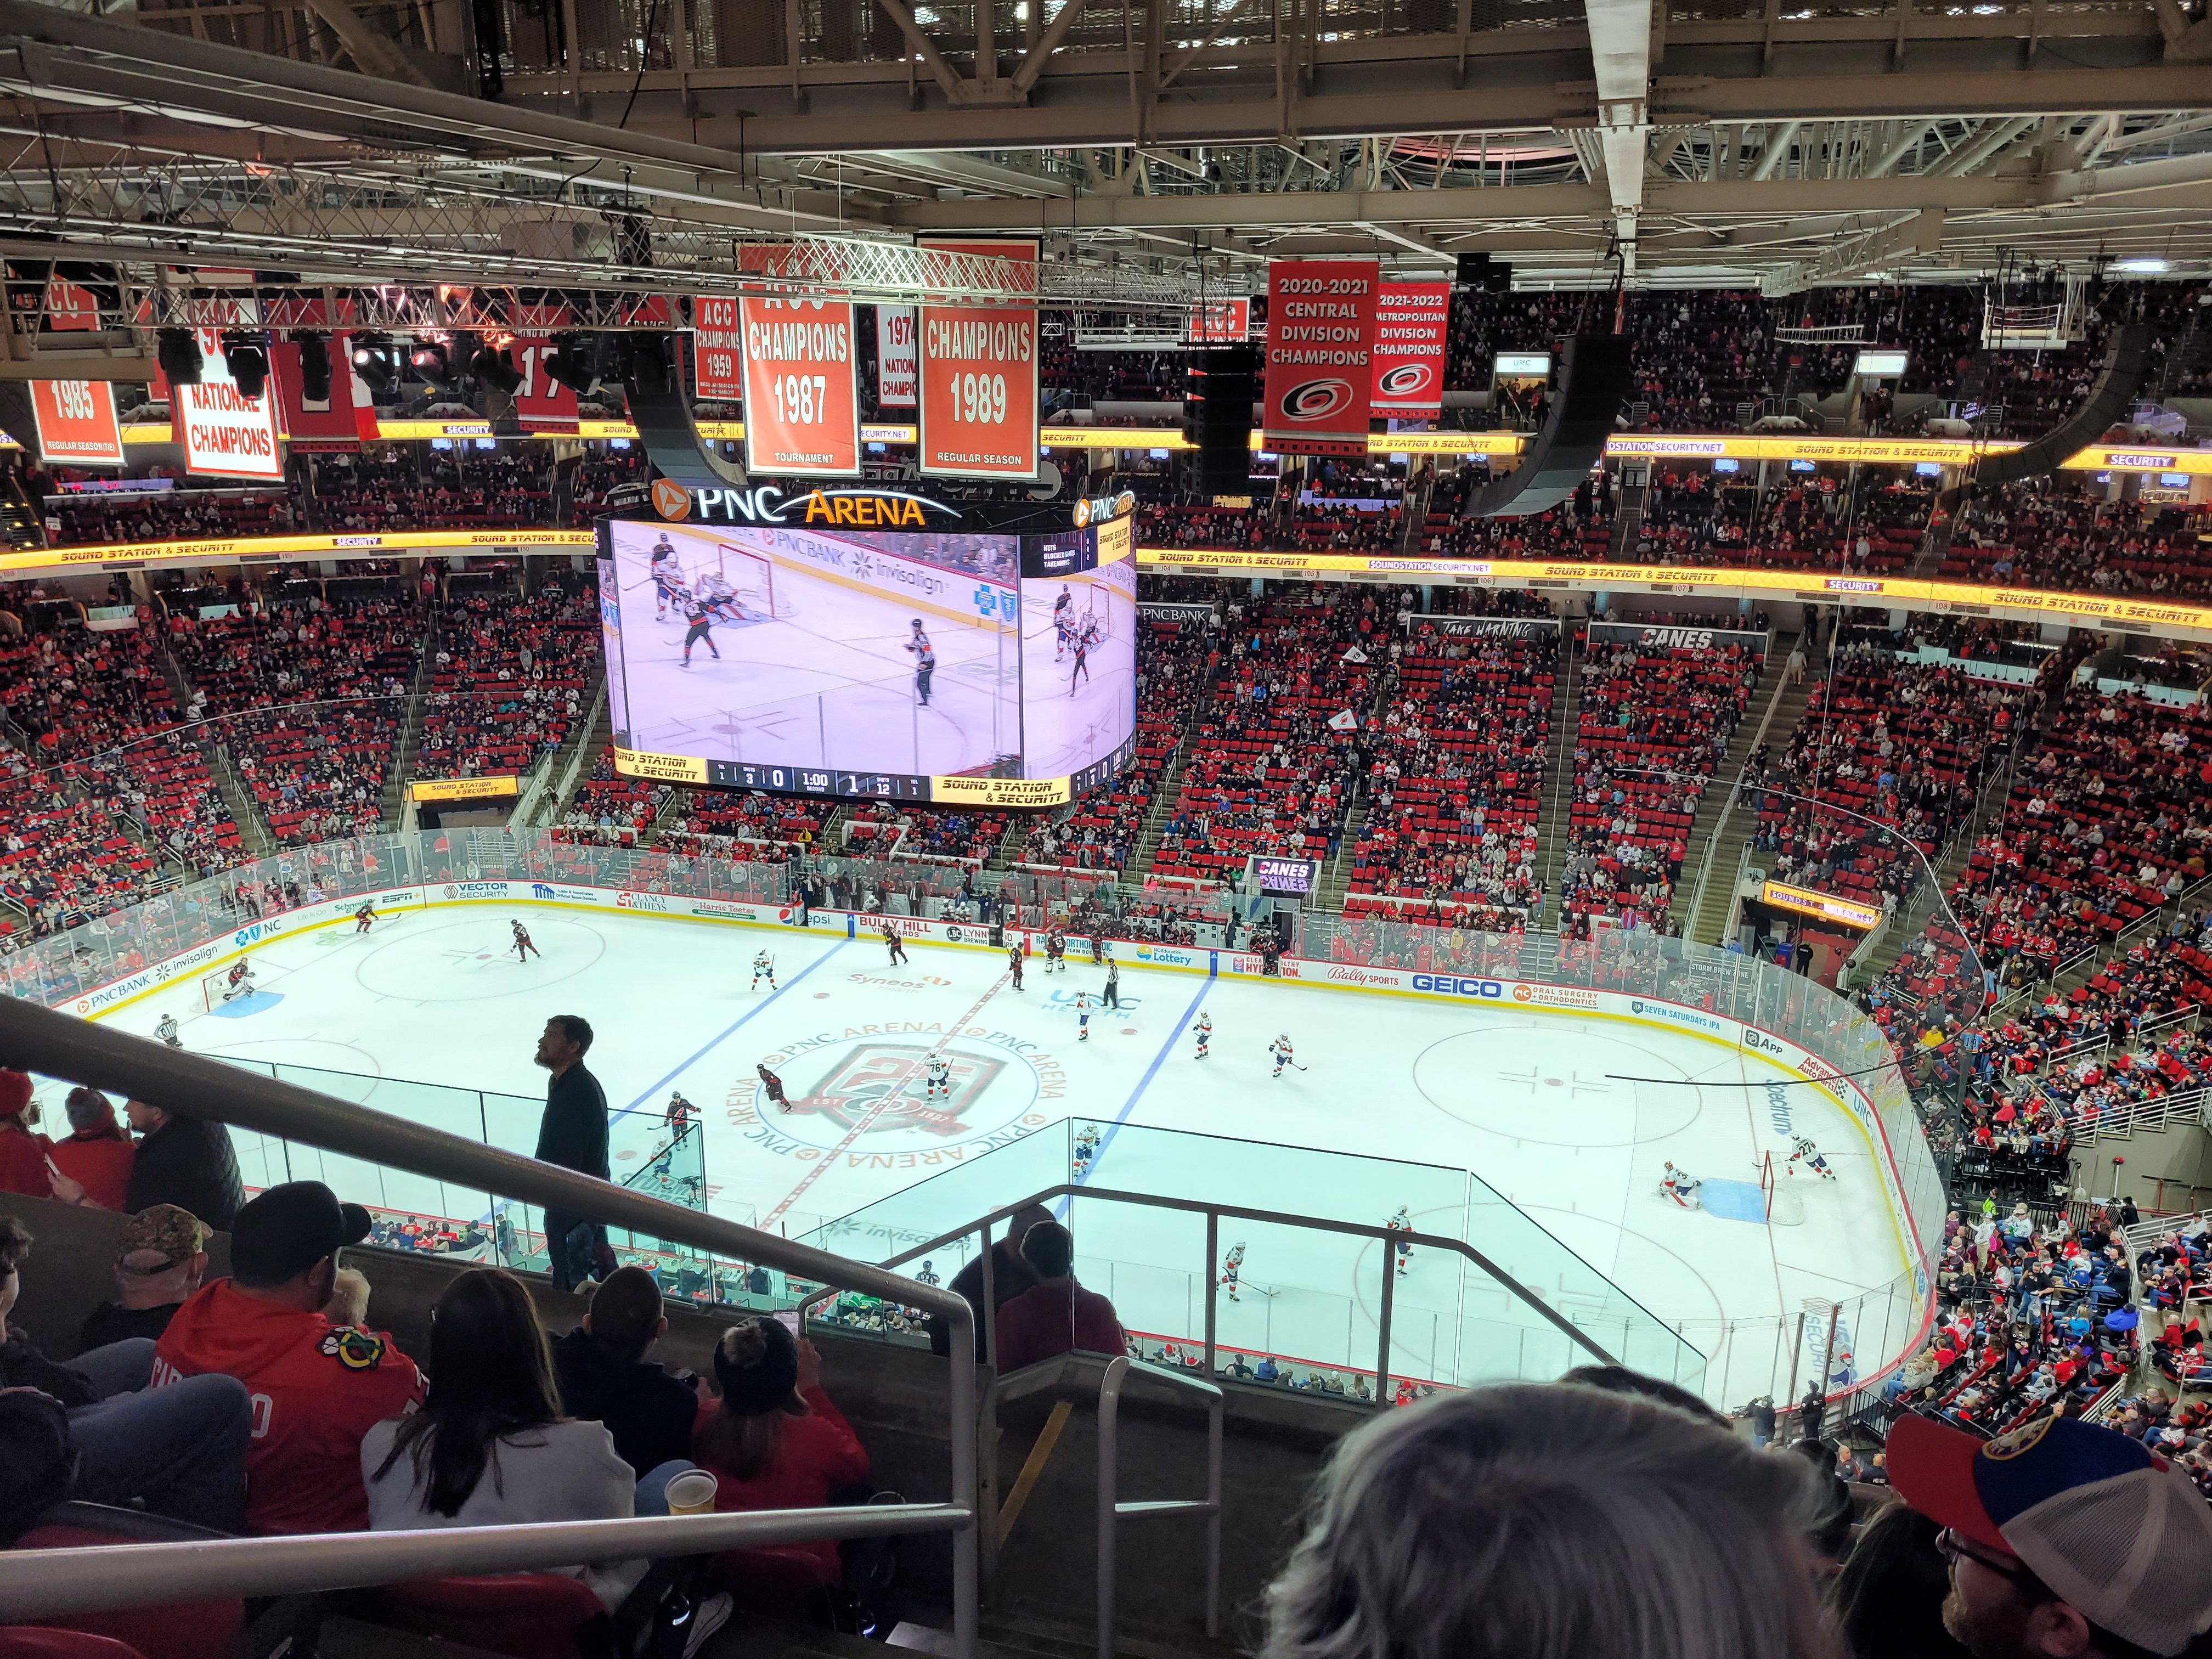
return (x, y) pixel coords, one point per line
(1321, 340)
(802, 385)
(1410, 319)
(979, 376)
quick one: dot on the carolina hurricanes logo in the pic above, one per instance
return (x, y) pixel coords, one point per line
(1406, 380)
(1317, 400)
(892, 1076)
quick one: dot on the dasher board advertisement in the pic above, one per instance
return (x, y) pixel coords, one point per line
(939, 665)
(979, 379)
(1320, 338)
(802, 387)
(76, 422)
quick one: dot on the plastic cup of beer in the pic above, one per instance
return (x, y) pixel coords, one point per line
(691, 1493)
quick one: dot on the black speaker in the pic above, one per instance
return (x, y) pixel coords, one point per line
(2127, 364)
(1594, 376)
(1217, 418)
(660, 407)
(1480, 272)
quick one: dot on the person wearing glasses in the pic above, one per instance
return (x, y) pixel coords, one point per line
(2063, 1540)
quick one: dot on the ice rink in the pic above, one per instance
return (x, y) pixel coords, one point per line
(1568, 1117)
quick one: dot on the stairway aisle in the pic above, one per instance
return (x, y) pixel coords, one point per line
(1627, 523)
(1726, 830)
(1551, 820)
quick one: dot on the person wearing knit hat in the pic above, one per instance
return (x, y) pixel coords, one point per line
(772, 1440)
(23, 1149)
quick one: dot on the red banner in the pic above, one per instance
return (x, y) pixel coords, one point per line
(718, 348)
(225, 434)
(979, 380)
(325, 424)
(1320, 336)
(542, 403)
(802, 387)
(1221, 322)
(1410, 320)
(76, 422)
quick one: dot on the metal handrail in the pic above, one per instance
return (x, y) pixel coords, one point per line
(1111, 1510)
(1213, 1214)
(49, 1583)
(37, 1039)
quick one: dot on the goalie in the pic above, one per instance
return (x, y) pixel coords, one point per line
(238, 982)
(1682, 1186)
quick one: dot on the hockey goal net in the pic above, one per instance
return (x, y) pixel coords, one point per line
(1784, 1206)
(751, 576)
(214, 987)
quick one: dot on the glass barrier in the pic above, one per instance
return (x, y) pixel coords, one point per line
(70, 971)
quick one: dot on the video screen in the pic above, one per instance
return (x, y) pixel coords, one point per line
(901, 666)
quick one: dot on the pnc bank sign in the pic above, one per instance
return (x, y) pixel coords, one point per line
(850, 509)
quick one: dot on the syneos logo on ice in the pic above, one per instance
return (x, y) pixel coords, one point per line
(1486, 989)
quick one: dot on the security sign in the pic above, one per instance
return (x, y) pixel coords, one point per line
(979, 379)
(1320, 339)
(1410, 319)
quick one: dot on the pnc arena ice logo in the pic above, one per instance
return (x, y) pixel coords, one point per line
(1317, 400)
(879, 1084)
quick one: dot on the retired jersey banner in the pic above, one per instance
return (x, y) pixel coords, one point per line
(76, 422)
(1410, 319)
(225, 434)
(802, 387)
(542, 403)
(1321, 340)
(717, 350)
(897, 376)
(325, 424)
(979, 379)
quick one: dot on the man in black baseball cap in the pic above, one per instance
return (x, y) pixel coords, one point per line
(317, 1386)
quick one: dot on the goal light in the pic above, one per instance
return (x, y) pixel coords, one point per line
(178, 351)
(245, 360)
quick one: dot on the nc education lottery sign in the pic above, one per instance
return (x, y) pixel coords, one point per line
(979, 379)
(76, 422)
(802, 391)
(225, 434)
(1410, 319)
(1321, 339)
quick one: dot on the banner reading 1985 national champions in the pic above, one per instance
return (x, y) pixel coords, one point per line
(979, 374)
(1321, 340)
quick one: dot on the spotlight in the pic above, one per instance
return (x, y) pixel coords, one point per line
(245, 358)
(314, 365)
(178, 351)
(429, 359)
(373, 359)
(496, 369)
(572, 362)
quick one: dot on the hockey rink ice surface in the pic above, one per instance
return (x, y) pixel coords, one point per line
(1535, 1104)
(826, 682)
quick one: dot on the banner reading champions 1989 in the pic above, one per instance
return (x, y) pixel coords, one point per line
(807, 651)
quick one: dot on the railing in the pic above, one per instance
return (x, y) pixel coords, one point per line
(1112, 1511)
(56, 1045)
(2141, 1117)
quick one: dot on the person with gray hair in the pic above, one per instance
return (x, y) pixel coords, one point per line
(1549, 1521)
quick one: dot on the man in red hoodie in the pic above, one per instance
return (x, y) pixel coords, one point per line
(1055, 1315)
(317, 1387)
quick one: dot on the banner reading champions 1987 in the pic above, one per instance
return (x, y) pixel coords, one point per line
(1321, 339)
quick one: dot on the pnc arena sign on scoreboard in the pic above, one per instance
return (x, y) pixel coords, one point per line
(979, 379)
(1320, 342)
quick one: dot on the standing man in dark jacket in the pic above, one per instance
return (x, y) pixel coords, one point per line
(185, 1161)
(573, 1134)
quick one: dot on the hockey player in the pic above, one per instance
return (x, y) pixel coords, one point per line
(523, 948)
(898, 949)
(1204, 1032)
(1056, 951)
(1082, 1018)
(166, 1031)
(668, 575)
(1098, 948)
(1232, 1268)
(1803, 1150)
(925, 661)
(1015, 957)
(1682, 1186)
(938, 1074)
(1063, 622)
(1402, 1223)
(363, 917)
(1086, 1149)
(721, 597)
(679, 1115)
(1086, 643)
(772, 1086)
(1279, 1050)
(238, 982)
(700, 615)
(764, 969)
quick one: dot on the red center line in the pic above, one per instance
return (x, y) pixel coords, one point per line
(867, 1120)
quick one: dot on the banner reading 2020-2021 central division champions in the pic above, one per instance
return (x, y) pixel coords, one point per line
(1320, 342)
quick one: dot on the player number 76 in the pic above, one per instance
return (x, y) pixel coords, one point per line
(801, 399)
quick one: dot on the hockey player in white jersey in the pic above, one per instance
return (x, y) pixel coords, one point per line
(1682, 1186)
(1803, 1150)
(764, 969)
(1401, 1223)
(1203, 1030)
(1280, 1051)
(939, 1074)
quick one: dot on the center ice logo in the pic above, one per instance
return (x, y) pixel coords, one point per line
(875, 1073)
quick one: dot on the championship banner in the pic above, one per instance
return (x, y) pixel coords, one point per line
(979, 379)
(1410, 320)
(76, 422)
(1321, 336)
(1220, 322)
(225, 435)
(717, 350)
(897, 376)
(326, 424)
(801, 385)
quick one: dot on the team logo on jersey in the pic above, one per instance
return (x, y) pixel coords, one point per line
(2020, 1441)
(354, 1349)
(884, 1084)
